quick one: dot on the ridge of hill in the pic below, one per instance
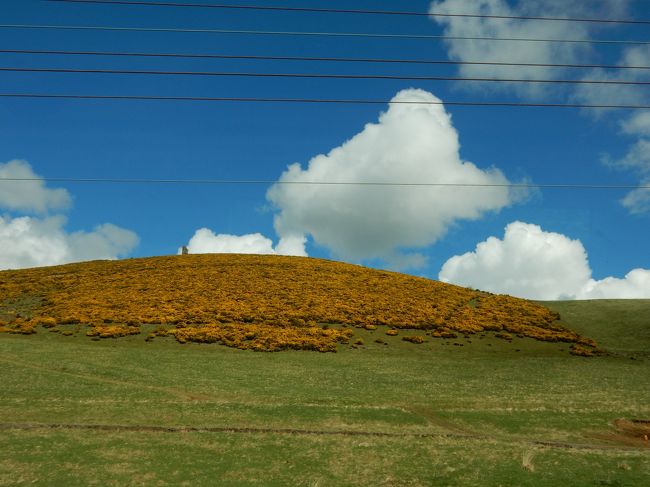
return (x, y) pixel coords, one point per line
(261, 302)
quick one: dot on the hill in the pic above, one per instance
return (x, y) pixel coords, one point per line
(262, 303)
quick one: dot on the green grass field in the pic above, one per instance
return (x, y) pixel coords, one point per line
(489, 412)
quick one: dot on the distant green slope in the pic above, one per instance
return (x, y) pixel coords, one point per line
(618, 325)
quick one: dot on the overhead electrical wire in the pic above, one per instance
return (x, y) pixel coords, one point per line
(348, 11)
(314, 75)
(4, 69)
(324, 183)
(308, 58)
(319, 34)
(55, 96)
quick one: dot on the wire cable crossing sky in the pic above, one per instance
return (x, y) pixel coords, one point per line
(308, 58)
(469, 103)
(346, 11)
(324, 183)
(294, 33)
(318, 75)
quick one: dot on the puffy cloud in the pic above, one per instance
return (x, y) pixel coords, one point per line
(206, 241)
(411, 143)
(532, 263)
(519, 52)
(636, 284)
(106, 241)
(292, 244)
(29, 241)
(34, 242)
(28, 196)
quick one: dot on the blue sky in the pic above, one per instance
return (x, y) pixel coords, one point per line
(148, 139)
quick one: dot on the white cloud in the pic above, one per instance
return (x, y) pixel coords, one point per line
(637, 124)
(520, 52)
(636, 284)
(292, 244)
(106, 241)
(637, 160)
(28, 196)
(603, 94)
(29, 241)
(206, 241)
(410, 144)
(637, 201)
(35, 242)
(532, 263)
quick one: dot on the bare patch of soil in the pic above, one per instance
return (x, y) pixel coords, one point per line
(629, 432)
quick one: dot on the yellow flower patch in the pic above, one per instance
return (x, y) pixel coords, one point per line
(258, 302)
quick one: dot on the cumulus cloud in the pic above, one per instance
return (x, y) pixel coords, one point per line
(106, 241)
(30, 241)
(636, 284)
(205, 241)
(520, 52)
(34, 242)
(29, 196)
(532, 263)
(411, 143)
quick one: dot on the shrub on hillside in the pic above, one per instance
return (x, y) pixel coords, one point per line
(414, 339)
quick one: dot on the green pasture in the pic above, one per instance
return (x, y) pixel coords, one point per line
(467, 411)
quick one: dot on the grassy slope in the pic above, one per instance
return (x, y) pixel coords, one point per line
(619, 325)
(504, 400)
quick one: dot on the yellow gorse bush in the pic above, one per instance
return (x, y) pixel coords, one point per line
(258, 302)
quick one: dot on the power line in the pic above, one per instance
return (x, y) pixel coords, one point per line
(308, 58)
(320, 34)
(316, 75)
(348, 11)
(316, 101)
(323, 183)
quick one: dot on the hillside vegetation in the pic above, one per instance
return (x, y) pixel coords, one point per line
(264, 303)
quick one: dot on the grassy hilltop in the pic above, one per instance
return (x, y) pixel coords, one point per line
(262, 303)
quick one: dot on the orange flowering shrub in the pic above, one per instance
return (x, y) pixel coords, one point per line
(584, 351)
(282, 302)
(414, 339)
(112, 331)
(19, 326)
(261, 337)
(443, 333)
